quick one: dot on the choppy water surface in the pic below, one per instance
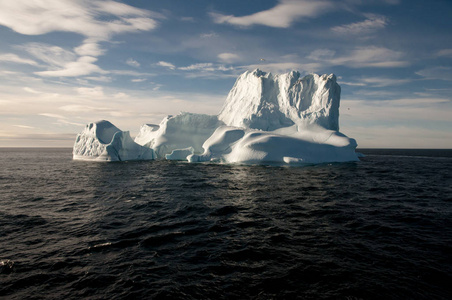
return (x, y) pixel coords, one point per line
(377, 229)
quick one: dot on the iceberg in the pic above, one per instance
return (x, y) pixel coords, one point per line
(286, 119)
(266, 118)
(103, 141)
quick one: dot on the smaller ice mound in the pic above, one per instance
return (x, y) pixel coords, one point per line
(103, 141)
(179, 132)
(180, 154)
(306, 148)
(284, 146)
(219, 144)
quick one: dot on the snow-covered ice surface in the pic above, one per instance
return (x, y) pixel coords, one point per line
(178, 132)
(266, 118)
(103, 141)
(284, 146)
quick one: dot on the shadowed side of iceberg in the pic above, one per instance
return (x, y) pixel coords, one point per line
(102, 141)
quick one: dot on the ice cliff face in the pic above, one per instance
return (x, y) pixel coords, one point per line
(260, 100)
(105, 142)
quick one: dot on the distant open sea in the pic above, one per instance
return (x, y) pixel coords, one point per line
(380, 228)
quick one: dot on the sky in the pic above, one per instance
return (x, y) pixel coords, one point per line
(66, 63)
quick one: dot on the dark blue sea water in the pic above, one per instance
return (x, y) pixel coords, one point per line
(376, 229)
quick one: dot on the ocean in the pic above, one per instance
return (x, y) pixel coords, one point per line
(380, 228)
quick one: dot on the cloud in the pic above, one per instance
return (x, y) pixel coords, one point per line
(81, 108)
(95, 19)
(51, 55)
(377, 57)
(95, 92)
(89, 48)
(384, 81)
(52, 115)
(285, 67)
(120, 95)
(436, 73)
(445, 53)
(32, 91)
(130, 73)
(42, 95)
(25, 126)
(351, 83)
(60, 119)
(187, 19)
(208, 35)
(200, 66)
(10, 57)
(138, 80)
(282, 15)
(120, 9)
(371, 24)
(371, 57)
(100, 78)
(166, 65)
(66, 122)
(83, 66)
(208, 71)
(64, 63)
(321, 54)
(133, 63)
(228, 57)
(377, 82)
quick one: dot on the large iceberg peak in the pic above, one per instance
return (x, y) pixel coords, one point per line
(264, 101)
(253, 103)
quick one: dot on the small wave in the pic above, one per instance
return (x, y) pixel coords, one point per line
(98, 246)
